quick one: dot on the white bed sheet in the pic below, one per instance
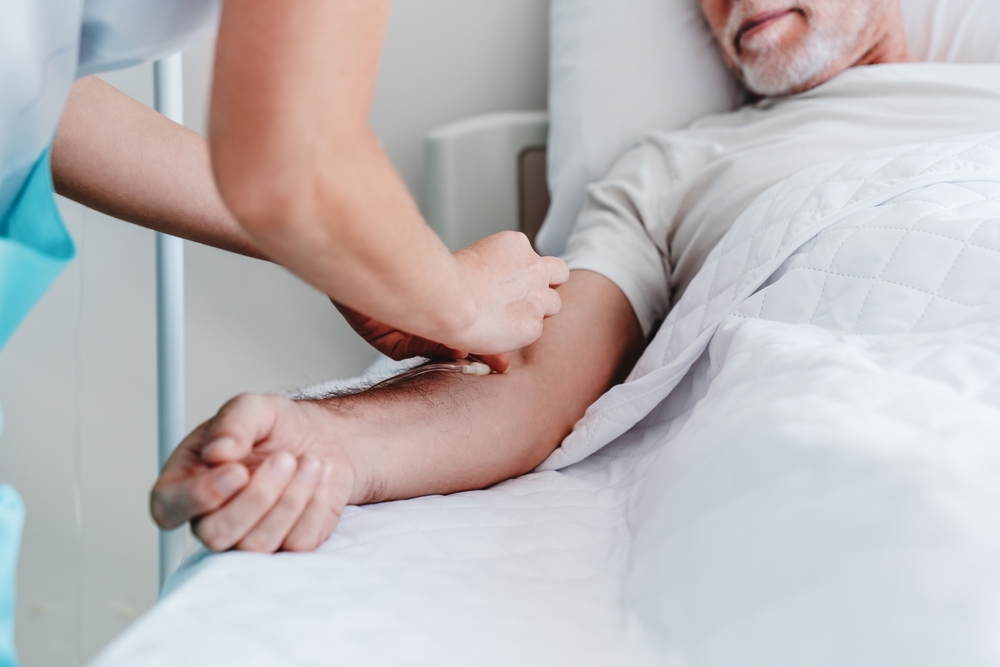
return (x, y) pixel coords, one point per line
(528, 572)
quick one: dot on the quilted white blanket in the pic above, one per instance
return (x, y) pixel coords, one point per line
(803, 469)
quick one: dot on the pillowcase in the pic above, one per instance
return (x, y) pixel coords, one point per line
(953, 31)
(619, 68)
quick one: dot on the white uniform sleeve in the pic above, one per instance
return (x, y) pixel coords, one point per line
(611, 237)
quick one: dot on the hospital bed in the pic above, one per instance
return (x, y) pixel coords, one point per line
(554, 567)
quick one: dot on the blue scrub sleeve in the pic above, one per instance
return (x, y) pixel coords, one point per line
(34, 248)
(11, 521)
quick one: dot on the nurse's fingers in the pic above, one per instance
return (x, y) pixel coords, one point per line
(556, 269)
(175, 499)
(223, 528)
(551, 302)
(267, 536)
(399, 346)
(240, 424)
(499, 363)
(321, 516)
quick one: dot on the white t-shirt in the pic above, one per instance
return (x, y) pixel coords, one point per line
(649, 226)
(46, 44)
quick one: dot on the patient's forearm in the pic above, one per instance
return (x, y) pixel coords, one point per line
(268, 473)
(119, 157)
(450, 432)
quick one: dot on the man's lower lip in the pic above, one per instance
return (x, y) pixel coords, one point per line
(758, 23)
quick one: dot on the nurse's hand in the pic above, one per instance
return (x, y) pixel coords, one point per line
(514, 289)
(257, 487)
(400, 345)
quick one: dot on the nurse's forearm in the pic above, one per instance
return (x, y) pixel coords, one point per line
(351, 229)
(119, 157)
(298, 164)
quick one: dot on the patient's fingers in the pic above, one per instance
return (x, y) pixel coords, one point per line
(268, 535)
(187, 488)
(239, 425)
(174, 500)
(322, 514)
(225, 527)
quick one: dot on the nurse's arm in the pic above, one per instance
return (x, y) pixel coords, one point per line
(298, 164)
(121, 158)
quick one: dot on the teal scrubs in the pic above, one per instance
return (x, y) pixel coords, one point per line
(11, 520)
(34, 249)
(44, 46)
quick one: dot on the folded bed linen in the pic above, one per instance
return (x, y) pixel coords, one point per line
(827, 392)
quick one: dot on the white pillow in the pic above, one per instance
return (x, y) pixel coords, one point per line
(619, 68)
(954, 31)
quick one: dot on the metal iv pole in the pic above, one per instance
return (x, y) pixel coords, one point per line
(168, 89)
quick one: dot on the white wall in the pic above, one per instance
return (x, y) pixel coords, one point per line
(77, 382)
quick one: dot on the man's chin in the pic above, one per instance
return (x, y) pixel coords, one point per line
(791, 70)
(763, 87)
(782, 81)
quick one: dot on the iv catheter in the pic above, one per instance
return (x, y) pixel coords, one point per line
(474, 368)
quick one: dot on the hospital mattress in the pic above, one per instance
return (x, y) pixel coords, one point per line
(528, 572)
(803, 469)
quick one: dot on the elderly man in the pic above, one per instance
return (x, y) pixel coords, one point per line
(268, 473)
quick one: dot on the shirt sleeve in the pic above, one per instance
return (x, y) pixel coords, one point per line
(611, 236)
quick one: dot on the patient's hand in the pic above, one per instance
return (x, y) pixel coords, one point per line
(256, 477)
